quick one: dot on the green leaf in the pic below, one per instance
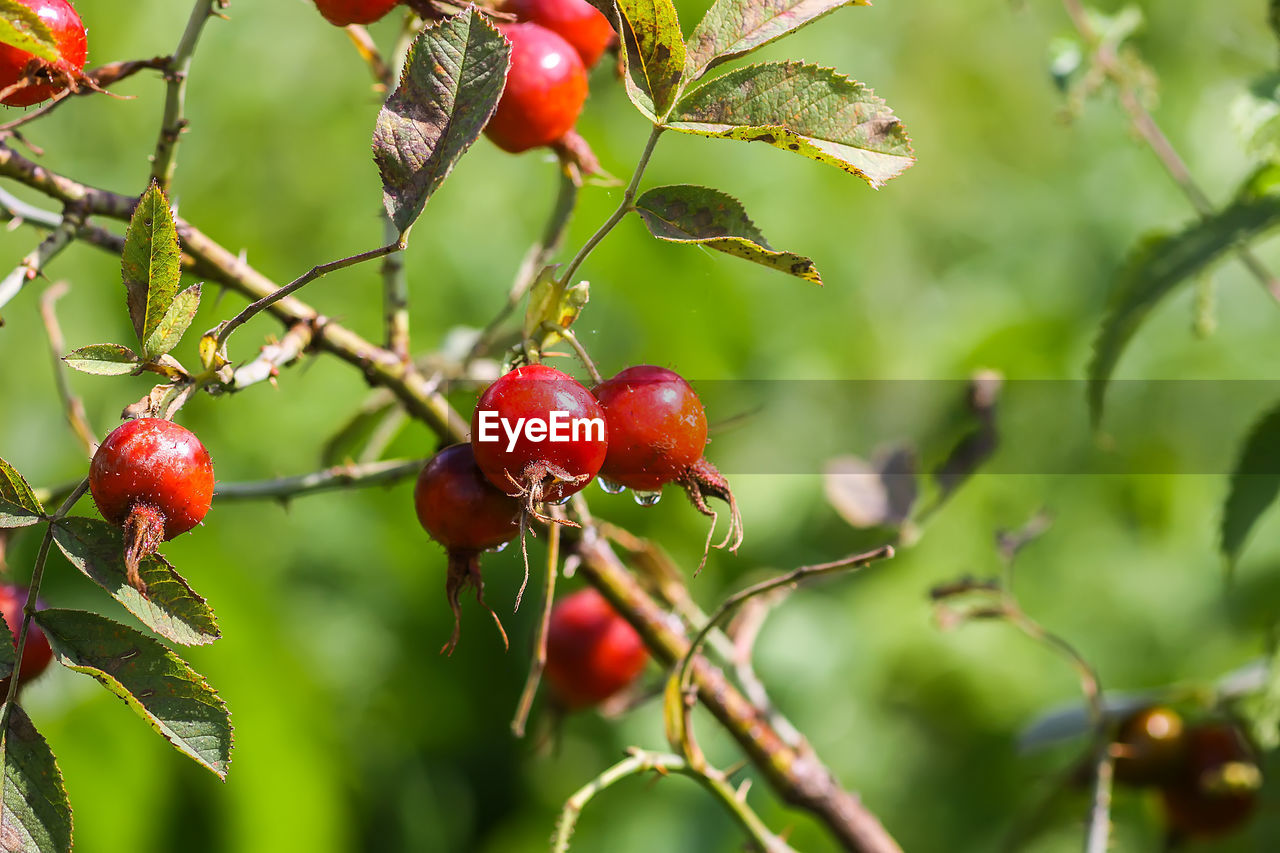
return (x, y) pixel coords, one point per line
(169, 331)
(733, 28)
(37, 813)
(654, 54)
(22, 28)
(8, 648)
(19, 506)
(171, 696)
(1255, 483)
(170, 607)
(152, 263)
(453, 77)
(811, 111)
(707, 217)
(1162, 262)
(103, 360)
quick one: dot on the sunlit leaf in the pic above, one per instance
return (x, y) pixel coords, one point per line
(808, 110)
(453, 78)
(22, 27)
(654, 53)
(707, 217)
(733, 28)
(103, 360)
(177, 319)
(151, 264)
(172, 697)
(19, 506)
(37, 813)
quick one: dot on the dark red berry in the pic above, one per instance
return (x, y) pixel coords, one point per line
(1215, 790)
(576, 21)
(1149, 746)
(466, 514)
(544, 93)
(657, 433)
(342, 13)
(154, 479)
(68, 34)
(36, 654)
(539, 434)
(592, 652)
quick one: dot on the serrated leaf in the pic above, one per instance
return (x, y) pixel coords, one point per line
(171, 696)
(8, 647)
(689, 214)
(808, 110)
(453, 77)
(23, 28)
(1255, 484)
(103, 360)
(654, 53)
(37, 813)
(19, 506)
(733, 28)
(151, 264)
(170, 607)
(169, 331)
(1161, 263)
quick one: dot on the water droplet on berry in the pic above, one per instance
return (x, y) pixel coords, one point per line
(611, 487)
(498, 549)
(647, 498)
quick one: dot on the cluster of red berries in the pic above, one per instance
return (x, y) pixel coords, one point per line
(1207, 772)
(553, 45)
(641, 429)
(26, 80)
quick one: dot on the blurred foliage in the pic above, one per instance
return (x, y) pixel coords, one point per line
(997, 251)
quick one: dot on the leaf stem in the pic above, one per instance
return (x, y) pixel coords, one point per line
(624, 207)
(164, 161)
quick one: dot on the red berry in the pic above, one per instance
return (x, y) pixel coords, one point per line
(1149, 746)
(1215, 790)
(592, 652)
(544, 93)
(154, 479)
(341, 13)
(576, 21)
(657, 427)
(36, 654)
(657, 433)
(68, 34)
(466, 514)
(516, 430)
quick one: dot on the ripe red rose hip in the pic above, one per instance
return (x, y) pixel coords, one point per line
(1215, 790)
(341, 13)
(68, 34)
(153, 479)
(592, 652)
(1149, 746)
(36, 654)
(657, 433)
(466, 514)
(576, 21)
(544, 93)
(537, 433)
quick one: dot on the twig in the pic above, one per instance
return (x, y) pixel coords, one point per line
(102, 76)
(273, 357)
(50, 247)
(383, 77)
(572, 340)
(1145, 124)
(337, 477)
(72, 405)
(539, 661)
(164, 161)
(640, 761)
(1098, 837)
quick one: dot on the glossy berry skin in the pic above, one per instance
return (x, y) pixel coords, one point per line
(36, 654)
(153, 463)
(68, 33)
(1150, 745)
(657, 427)
(576, 21)
(342, 13)
(542, 470)
(544, 93)
(592, 652)
(459, 507)
(1197, 804)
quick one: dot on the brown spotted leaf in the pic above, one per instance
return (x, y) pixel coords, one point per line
(19, 506)
(653, 54)
(151, 263)
(37, 813)
(733, 28)
(173, 698)
(690, 214)
(811, 111)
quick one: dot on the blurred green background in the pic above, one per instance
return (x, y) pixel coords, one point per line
(995, 251)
